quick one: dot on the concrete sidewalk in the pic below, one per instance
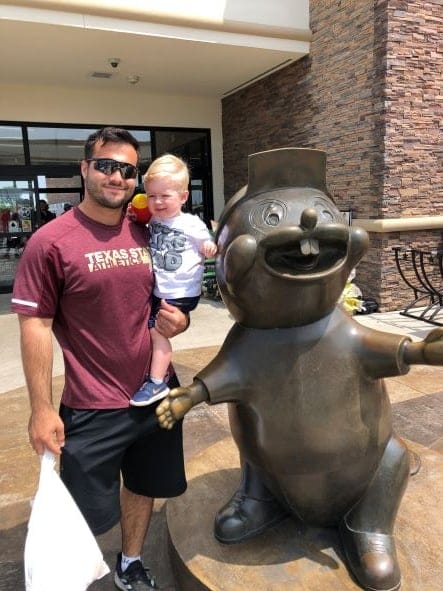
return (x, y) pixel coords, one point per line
(417, 400)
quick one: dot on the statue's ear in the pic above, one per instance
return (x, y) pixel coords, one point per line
(358, 245)
(239, 258)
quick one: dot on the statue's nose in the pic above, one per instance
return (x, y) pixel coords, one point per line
(308, 219)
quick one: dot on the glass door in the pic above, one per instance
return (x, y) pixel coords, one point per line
(59, 190)
(194, 148)
(24, 198)
(18, 219)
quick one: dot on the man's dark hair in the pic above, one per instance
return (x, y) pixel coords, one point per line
(110, 134)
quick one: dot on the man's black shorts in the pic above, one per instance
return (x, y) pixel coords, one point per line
(102, 443)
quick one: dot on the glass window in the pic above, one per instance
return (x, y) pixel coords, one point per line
(193, 147)
(144, 137)
(60, 201)
(62, 145)
(190, 145)
(11, 145)
(57, 145)
(17, 221)
(17, 206)
(196, 200)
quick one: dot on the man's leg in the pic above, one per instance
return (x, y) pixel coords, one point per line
(136, 513)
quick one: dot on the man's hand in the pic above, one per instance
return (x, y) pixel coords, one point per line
(46, 430)
(170, 320)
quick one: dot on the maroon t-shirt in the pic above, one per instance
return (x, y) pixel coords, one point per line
(95, 281)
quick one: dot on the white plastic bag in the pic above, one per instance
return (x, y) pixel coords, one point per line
(61, 552)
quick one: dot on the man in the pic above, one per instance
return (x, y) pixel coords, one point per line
(46, 215)
(88, 278)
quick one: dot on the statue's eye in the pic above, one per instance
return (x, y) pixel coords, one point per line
(326, 211)
(326, 216)
(272, 215)
(267, 214)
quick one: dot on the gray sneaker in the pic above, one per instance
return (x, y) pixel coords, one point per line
(135, 578)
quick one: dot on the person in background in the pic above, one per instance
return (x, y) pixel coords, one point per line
(179, 242)
(5, 217)
(87, 277)
(46, 215)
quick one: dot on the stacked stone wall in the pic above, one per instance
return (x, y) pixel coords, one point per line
(413, 171)
(322, 101)
(355, 98)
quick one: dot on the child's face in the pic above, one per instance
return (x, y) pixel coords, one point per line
(165, 199)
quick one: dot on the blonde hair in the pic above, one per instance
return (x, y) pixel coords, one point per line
(169, 166)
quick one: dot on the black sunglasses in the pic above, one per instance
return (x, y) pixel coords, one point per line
(107, 166)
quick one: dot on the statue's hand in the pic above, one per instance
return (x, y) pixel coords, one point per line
(174, 407)
(433, 347)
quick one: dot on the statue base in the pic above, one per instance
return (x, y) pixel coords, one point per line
(289, 556)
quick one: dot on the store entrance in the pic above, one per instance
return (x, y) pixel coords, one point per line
(24, 196)
(40, 169)
(17, 217)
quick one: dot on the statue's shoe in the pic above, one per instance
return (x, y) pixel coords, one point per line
(372, 559)
(244, 517)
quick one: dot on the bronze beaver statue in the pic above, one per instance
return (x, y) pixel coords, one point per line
(309, 410)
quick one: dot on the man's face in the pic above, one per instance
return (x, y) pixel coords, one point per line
(110, 191)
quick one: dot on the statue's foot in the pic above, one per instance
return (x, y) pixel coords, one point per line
(372, 559)
(244, 517)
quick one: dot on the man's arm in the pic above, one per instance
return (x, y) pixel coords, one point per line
(46, 429)
(171, 321)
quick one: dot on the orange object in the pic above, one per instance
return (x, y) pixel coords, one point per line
(140, 208)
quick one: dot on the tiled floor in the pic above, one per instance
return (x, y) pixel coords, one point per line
(417, 403)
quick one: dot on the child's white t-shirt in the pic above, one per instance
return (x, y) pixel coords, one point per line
(175, 249)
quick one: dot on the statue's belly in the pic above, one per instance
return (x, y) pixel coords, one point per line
(319, 453)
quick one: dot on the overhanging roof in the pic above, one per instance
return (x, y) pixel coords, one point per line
(54, 48)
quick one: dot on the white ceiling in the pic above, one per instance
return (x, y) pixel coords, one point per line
(45, 54)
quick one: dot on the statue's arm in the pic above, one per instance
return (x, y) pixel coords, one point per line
(387, 355)
(426, 352)
(180, 401)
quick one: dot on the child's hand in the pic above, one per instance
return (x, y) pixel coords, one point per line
(130, 213)
(208, 249)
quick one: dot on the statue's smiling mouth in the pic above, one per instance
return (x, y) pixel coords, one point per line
(294, 252)
(293, 260)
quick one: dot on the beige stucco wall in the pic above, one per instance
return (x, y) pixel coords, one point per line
(61, 105)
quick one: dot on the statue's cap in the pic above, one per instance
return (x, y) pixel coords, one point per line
(279, 169)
